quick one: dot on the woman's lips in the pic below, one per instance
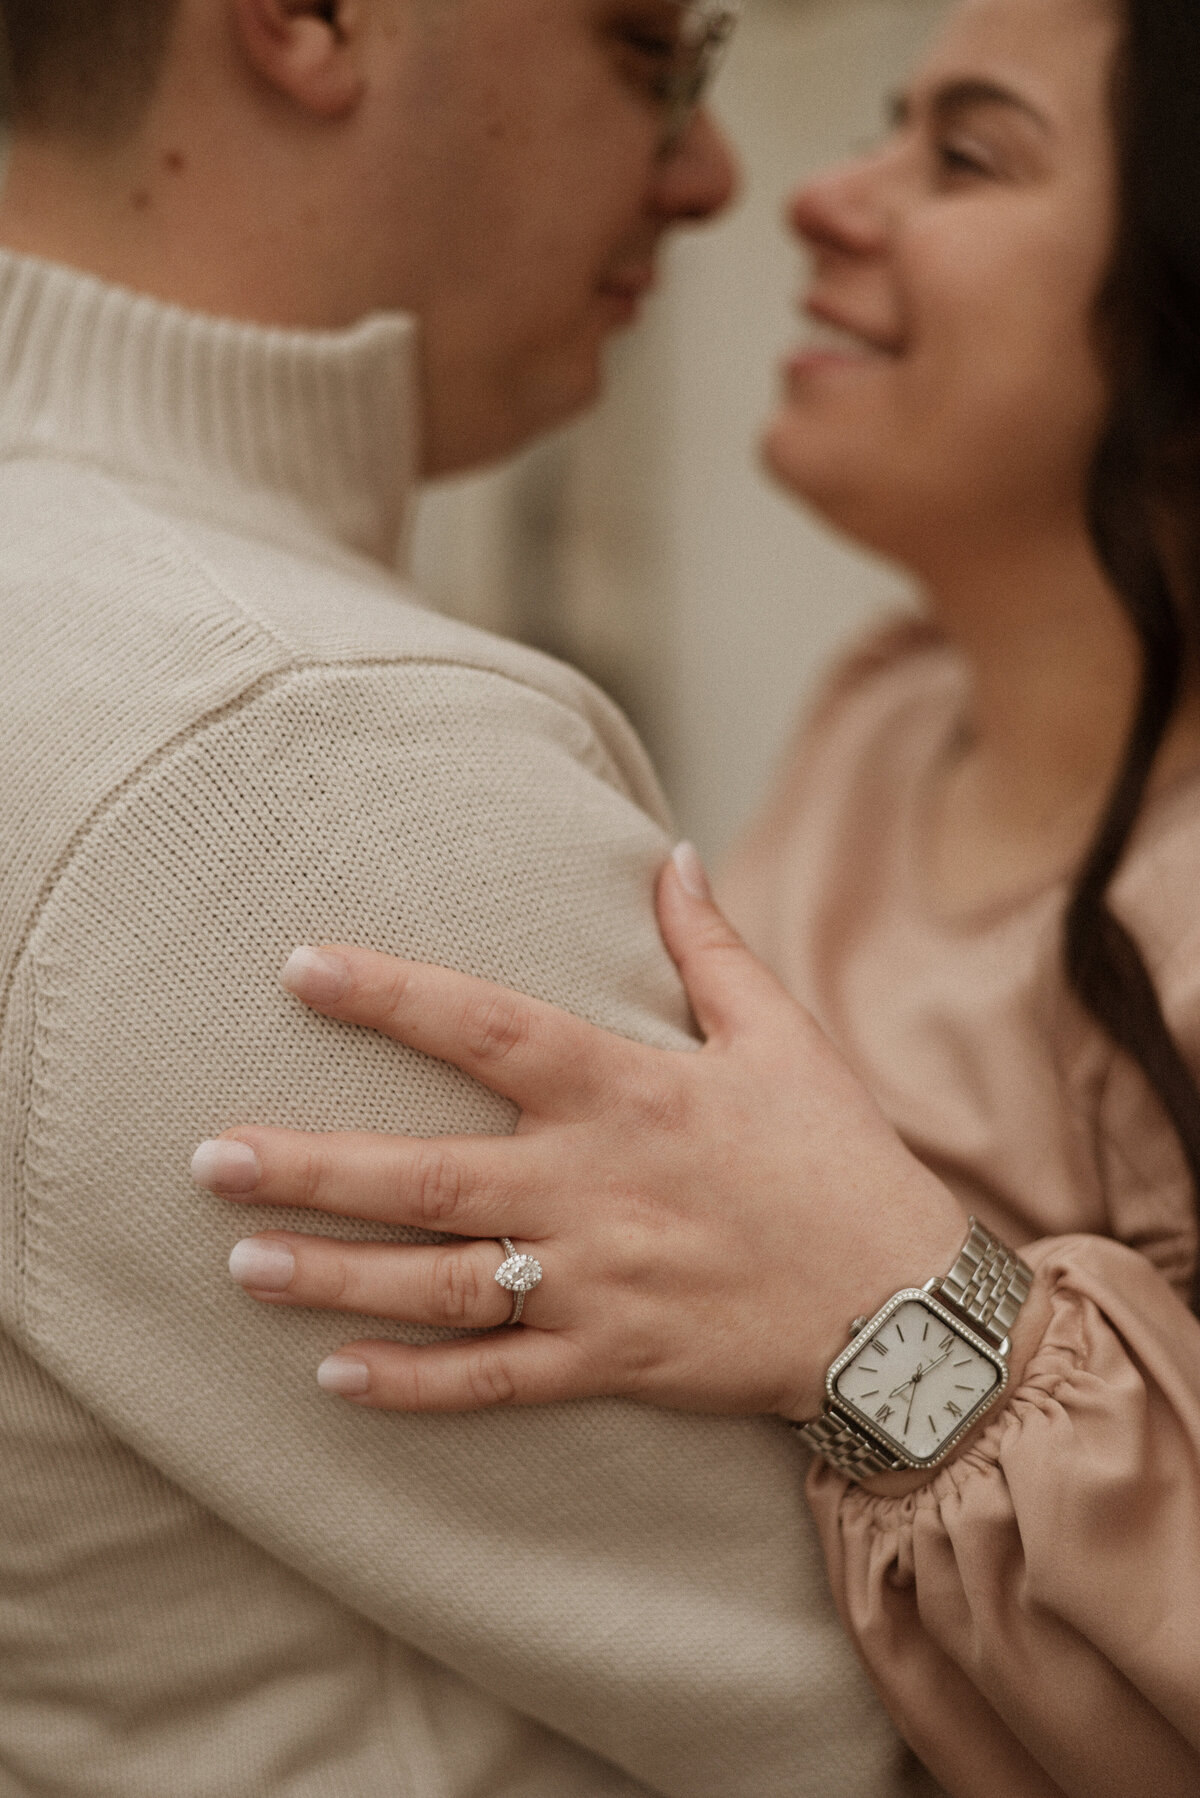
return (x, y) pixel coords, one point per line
(833, 344)
(807, 362)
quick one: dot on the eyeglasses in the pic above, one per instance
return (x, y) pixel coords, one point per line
(705, 28)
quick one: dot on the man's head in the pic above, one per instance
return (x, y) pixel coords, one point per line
(84, 66)
(494, 166)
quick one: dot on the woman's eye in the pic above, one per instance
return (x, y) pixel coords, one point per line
(962, 159)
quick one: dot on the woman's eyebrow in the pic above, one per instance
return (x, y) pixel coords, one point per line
(955, 97)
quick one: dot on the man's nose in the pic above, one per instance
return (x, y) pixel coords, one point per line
(699, 175)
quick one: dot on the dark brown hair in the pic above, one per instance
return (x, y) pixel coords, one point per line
(83, 67)
(1144, 504)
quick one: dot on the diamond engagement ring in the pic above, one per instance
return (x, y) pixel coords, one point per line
(519, 1274)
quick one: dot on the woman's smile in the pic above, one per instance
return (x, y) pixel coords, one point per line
(834, 342)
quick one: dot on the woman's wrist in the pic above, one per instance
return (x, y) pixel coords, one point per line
(904, 1241)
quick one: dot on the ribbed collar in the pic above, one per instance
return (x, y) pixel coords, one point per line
(241, 419)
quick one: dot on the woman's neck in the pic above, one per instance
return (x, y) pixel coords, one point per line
(1056, 671)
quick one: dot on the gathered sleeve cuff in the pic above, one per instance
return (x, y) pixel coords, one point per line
(1031, 1614)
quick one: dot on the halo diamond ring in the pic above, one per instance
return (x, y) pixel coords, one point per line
(517, 1274)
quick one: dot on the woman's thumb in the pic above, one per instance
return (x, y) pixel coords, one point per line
(727, 985)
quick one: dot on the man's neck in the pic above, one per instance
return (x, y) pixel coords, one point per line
(150, 215)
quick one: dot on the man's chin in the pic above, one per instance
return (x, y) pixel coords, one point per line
(473, 437)
(622, 307)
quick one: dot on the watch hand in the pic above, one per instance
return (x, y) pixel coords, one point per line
(917, 1378)
(909, 1382)
(912, 1395)
(910, 1385)
(922, 1370)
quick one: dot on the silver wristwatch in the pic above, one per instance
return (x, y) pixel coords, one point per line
(921, 1372)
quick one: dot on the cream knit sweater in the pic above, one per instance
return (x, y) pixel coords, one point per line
(226, 729)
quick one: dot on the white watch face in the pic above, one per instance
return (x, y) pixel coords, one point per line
(917, 1381)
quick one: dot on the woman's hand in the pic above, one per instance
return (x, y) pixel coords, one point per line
(708, 1224)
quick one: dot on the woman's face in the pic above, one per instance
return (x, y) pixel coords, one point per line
(951, 395)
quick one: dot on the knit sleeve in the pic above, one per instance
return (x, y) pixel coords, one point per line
(641, 1582)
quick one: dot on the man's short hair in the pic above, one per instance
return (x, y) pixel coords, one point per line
(83, 67)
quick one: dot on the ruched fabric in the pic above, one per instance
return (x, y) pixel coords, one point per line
(1032, 1615)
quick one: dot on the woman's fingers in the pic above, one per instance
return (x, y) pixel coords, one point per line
(544, 1060)
(452, 1286)
(729, 988)
(455, 1186)
(513, 1367)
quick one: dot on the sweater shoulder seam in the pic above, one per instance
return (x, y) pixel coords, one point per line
(297, 659)
(593, 754)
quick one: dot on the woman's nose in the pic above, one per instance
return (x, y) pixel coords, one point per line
(844, 210)
(699, 176)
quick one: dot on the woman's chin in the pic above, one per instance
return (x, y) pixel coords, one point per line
(797, 460)
(835, 485)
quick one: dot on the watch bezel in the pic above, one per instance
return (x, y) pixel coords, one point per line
(846, 1409)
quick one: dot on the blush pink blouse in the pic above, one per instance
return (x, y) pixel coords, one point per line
(1030, 1615)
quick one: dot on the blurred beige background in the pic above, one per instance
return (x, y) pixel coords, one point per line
(644, 544)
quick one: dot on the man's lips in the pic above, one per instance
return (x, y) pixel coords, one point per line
(630, 282)
(626, 291)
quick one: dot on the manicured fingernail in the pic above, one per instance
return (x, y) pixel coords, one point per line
(690, 869)
(345, 1376)
(226, 1167)
(267, 1266)
(316, 975)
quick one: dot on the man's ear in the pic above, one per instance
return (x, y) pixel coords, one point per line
(308, 50)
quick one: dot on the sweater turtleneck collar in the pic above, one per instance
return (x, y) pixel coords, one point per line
(319, 425)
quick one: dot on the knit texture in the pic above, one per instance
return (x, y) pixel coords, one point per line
(225, 729)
